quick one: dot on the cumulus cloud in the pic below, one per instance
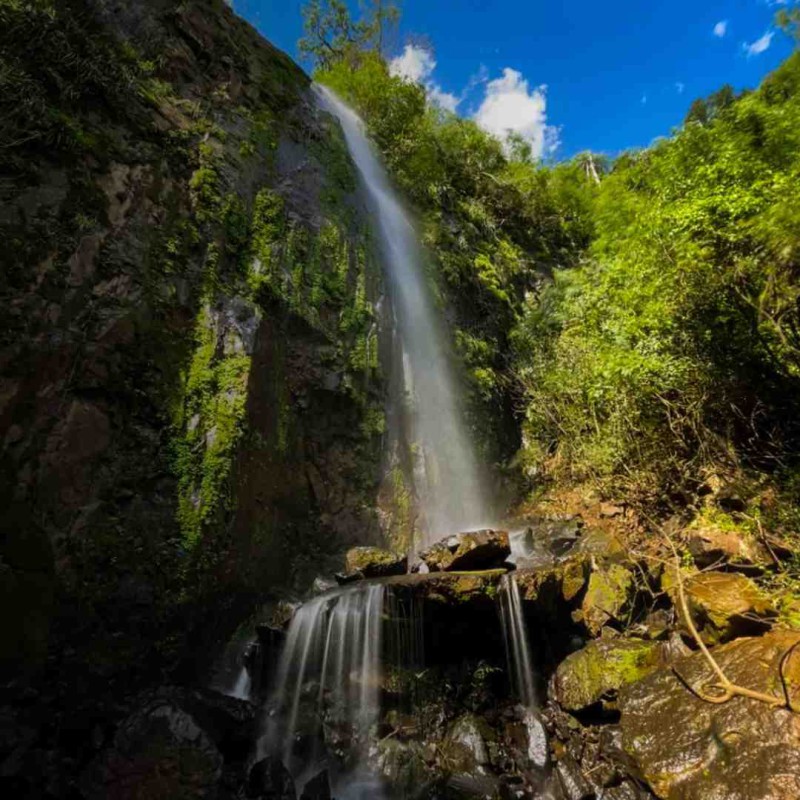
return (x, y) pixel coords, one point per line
(721, 28)
(417, 64)
(759, 45)
(510, 106)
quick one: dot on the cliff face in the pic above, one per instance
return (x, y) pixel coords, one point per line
(192, 394)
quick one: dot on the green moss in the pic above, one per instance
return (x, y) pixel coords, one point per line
(602, 667)
(211, 427)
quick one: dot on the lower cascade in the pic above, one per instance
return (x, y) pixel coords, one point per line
(327, 689)
(355, 694)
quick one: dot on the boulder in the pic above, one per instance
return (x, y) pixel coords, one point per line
(724, 604)
(607, 597)
(158, 753)
(371, 562)
(710, 545)
(743, 749)
(528, 740)
(574, 785)
(602, 544)
(555, 585)
(270, 780)
(601, 669)
(475, 550)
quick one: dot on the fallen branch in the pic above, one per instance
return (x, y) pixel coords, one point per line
(727, 689)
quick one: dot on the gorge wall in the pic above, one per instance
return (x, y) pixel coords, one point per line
(193, 391)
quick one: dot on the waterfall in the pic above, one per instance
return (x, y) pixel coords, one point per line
(327, 689)
(451, 494)
(243, 686)
(515, 635)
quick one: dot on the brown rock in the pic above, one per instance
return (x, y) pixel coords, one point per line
(743, 749)
(374, 562)
(475, 550)
(724, 604)
(711, 545)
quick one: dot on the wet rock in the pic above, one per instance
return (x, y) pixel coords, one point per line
(572, 782)
(528, 738)
(607, 597)
(372, 562)
(231, 724)
(466, 741)
(270, 780)
(159, 753)
(476, 550)
(555, 534)
(724, 604)
(743, 749)
(402, 764)
(601, 668)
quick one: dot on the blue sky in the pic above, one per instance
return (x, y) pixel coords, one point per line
(618, 73)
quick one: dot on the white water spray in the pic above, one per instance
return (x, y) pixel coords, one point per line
(452, 497)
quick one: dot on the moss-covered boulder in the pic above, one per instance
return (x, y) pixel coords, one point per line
(558, 584)
(712, 544)
(374, 562)
(743, 749)
(475, 550)
(724, 605)
(607, 599)
(601, 669)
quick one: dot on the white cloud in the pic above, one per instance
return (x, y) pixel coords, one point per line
(681, 87)
(644, 99)
(759, 45)
(721, 28)
(510, 106)
(417, 64)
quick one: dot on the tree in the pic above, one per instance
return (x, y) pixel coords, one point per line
(331, 34)
(788, 20)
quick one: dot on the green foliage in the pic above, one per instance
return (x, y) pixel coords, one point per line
(677, 342)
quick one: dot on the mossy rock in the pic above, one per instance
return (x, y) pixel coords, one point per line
(602, 668)
(724, 605)
(607, 598)
(374, 562)
(554, 585)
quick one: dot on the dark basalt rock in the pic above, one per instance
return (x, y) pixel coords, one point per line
(158, 752)
(269, 780)
(475, 550)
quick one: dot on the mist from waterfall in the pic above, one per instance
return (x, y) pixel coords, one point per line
(451, 491)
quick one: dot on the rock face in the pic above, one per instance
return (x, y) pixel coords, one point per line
(476, 550)
(741, 750)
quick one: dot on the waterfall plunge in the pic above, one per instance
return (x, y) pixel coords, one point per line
(452, 494)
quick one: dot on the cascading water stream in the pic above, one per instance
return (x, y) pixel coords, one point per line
(452, 497)
(327, 688)
(515, 635)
